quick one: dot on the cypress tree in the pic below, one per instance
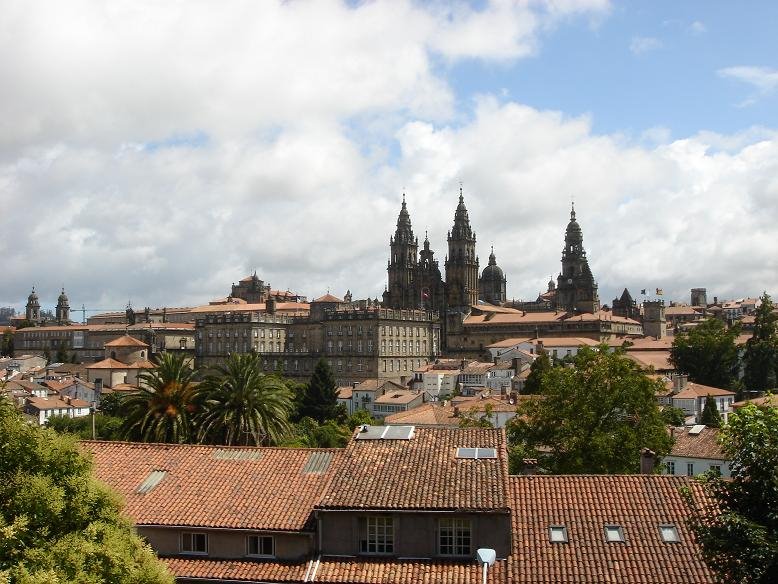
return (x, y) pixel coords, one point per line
(710, 414)
(320, 400)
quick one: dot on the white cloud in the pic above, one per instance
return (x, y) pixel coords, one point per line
(697, 28)
(283, 133)
(639, 45)
(763, 79)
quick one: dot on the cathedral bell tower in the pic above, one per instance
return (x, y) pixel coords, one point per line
(32, 311)
(63, 308)
(576, 288)
(403, 260)
(461, 263)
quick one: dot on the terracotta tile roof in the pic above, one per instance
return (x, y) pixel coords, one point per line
(399, 396)
(421, 473)
(210, 486)
(378, 384)
(702, 445)
(55, 403)
(585, 504)
(659, 360)
(683, 310)
(693, 390)
(345, 392)
(285, 307)
(142, 364)
(650, 344)
(126, 341)
(406, 571)
(328, 298)
(427, 415)
(765, 401)
(108, 364)
(237, 570)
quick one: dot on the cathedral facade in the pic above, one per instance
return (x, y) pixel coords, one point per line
(415, 280)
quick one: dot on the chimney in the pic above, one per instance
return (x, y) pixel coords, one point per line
(647, 460)
(539, 349)
(715, 300)
(679, 383)
(456, 411)
(529, 466)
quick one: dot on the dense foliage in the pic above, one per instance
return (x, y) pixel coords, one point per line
(57, 524)
(738, 527)
(710, 414)
(594, 417)
(761, 356)
(708, 354)
(673, 416)
(540, 366)
(320, 399)
(240, 405)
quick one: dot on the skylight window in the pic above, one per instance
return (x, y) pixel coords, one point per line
(476, 453)
(614, 533)
(669, 533)
(151, 481)
(557, 534)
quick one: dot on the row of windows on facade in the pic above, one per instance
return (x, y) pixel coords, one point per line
(196, 542)
(258, 334)
(690, 468)
(392, 365)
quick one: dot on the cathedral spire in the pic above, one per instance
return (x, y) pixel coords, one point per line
(404, 230)
(492, 258)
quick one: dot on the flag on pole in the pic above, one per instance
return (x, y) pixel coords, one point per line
(659, 292)
(643, 291)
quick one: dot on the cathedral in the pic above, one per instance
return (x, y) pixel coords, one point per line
(416, 281)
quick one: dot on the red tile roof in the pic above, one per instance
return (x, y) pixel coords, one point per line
(422, 473)
(585, 504)
(237, 570)
(702, 445)
(108, 364)
(406, 571)
(126, 341)
(693, 390)
(328, 298)
(210, 486)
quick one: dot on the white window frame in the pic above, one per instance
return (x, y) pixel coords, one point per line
(669, 529)
(190, 536)
(258, 538)
(376, 535)
(455, 531)
(614, 534)
(558, 534)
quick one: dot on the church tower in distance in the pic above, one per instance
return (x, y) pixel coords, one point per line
(576, 288)
(403, 254)
(63, 308)
(461, 263)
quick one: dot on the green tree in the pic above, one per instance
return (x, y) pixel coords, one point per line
(308, 433)
(106, 427)
(7, 346)
(737, 526)
(761, 357)
(708, 354)
(710, 414)
(243, 406)
(320, 400)
(163, 408)
(673, 416)
(594, 417)
(540, 366)
(475, 418)
(57, 524)
(62, 355)
(360, 418)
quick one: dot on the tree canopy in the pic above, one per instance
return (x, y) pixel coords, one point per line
(761, 356)
(710, 414)
(242, 405)
(594, 417)
(58, 524)
(708, 354)
(738, 528)
(540, 366)
(320, 399)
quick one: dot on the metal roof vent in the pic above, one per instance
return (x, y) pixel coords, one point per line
(317, 463)
(229, 454)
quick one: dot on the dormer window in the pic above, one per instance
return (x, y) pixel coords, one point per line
(262, 546)
(194, 542)
(376, 535)
(558, 534)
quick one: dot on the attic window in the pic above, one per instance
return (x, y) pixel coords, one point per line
(154, 478)
(476, 453)
(558, 534)
(614, 533)
(669, 533)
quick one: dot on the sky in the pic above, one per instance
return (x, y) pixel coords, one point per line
(156, 152)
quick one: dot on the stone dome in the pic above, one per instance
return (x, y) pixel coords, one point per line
(492, 271)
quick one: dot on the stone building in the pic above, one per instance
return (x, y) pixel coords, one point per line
(32, 311)
(63, 309)
(626, 306)
(493, 283)
(576, 289)
(462, 263)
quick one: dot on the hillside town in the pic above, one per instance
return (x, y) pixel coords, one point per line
(410, 428)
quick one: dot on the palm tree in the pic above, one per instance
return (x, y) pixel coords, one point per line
(162, 408)
(243, 406)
